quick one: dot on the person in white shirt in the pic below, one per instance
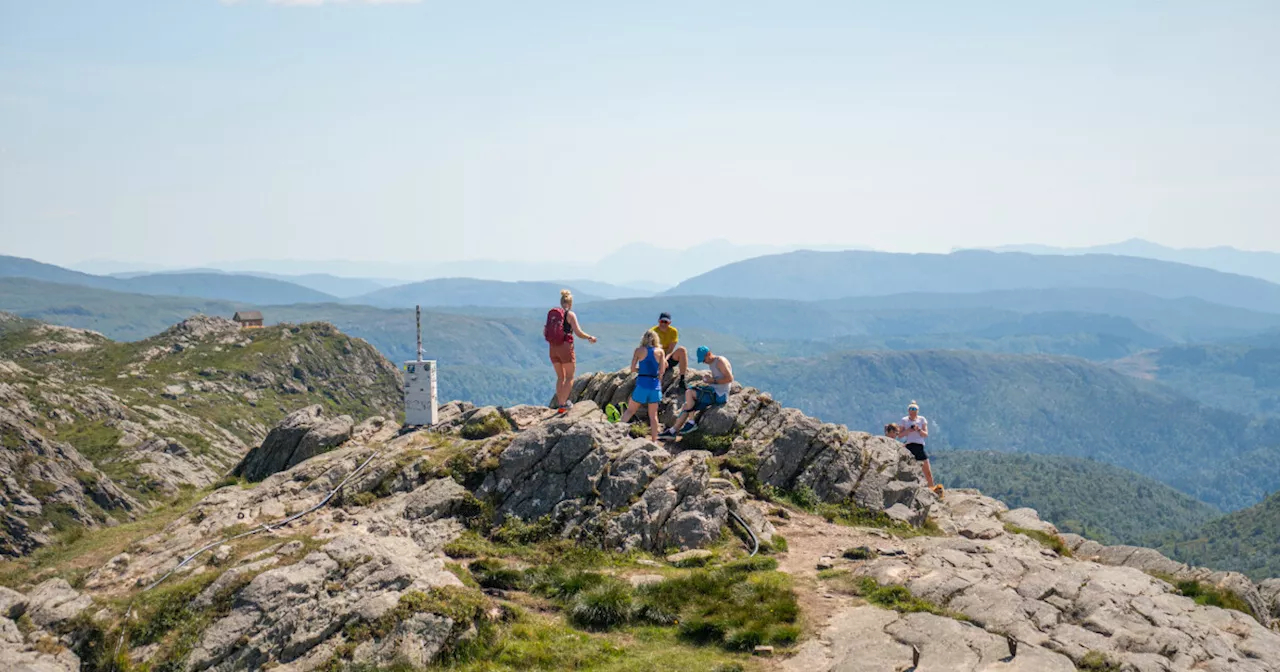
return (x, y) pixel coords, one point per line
(912, 431)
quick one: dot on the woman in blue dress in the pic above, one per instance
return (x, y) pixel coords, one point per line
(648, 362)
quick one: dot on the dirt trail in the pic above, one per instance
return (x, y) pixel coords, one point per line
(809, 539)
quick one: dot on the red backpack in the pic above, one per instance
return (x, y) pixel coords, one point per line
(556, 331)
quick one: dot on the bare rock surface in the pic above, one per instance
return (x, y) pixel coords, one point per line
(794, 451)
(1060, 609)
(303, 434)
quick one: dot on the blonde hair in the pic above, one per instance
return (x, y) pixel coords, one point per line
(566, 298)
(650, 339)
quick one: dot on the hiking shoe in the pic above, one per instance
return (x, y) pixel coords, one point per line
(668, 433)
(563, 409)
(688, 427)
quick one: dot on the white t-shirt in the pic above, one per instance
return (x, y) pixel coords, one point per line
(910, 432)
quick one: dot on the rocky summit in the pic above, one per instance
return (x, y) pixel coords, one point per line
(519, 538)
(92, 432)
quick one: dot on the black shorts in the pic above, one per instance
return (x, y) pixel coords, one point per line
(917, 451)
(672, 362)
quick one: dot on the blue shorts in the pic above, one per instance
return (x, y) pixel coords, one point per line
(705, 397)
(643, 396)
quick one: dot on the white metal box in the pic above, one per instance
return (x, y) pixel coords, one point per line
(420, 393)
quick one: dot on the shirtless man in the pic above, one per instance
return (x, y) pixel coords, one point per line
(702, 397)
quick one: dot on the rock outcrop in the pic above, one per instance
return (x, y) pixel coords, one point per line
(792, 450)
(361, 577)
(1061, 610)
(303, 434)
(92, 431)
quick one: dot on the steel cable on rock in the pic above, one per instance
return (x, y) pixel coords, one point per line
(754, 540)
(265, 527)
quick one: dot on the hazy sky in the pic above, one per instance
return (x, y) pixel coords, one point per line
(190, 131)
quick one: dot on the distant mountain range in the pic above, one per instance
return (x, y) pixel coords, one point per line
(835, 275)
(637, 265)
(470, 292)
(216, 286)
(1265, 265)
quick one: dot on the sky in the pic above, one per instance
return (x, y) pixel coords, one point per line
(188, 132)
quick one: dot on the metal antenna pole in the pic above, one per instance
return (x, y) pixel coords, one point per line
(419, 333)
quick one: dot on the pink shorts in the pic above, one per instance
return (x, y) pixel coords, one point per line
(562, 353)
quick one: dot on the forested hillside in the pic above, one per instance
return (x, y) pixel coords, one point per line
(1240, 377)
(1038, 404)
(1100, 501)
(1246, 541)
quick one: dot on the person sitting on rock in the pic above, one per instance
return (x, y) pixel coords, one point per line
(701, 397)
(670, 338)
(649, 363)
(891, 430)
(915, 429)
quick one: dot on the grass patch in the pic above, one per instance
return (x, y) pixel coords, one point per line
(71, 556)
(165, 608)
(539, 642)
(493, 573)
(895, 597)
(700, 440)
(94, 439)
(516, 532)
(1052, 542)
(602, 607)
(1097, 661)
(1206, 594)
(492, 424)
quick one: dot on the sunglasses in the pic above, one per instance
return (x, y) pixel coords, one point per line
(664, 321)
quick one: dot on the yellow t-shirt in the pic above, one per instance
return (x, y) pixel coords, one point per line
(668, 337)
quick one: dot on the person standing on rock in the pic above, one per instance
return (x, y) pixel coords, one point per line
(649, 363)
(561, 326)
(914, 429)
(701, 397)
(670, 340)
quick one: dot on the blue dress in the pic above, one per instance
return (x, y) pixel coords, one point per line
(648, 385)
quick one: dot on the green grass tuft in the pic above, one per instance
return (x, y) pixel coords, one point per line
(1052, 542)
(492, 424)
(603, 607)
(1097, 661)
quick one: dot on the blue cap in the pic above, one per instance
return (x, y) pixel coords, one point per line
(703, 351)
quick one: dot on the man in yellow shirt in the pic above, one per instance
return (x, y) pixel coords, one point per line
(669, 336)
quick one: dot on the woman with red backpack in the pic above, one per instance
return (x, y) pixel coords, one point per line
(559, 330)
